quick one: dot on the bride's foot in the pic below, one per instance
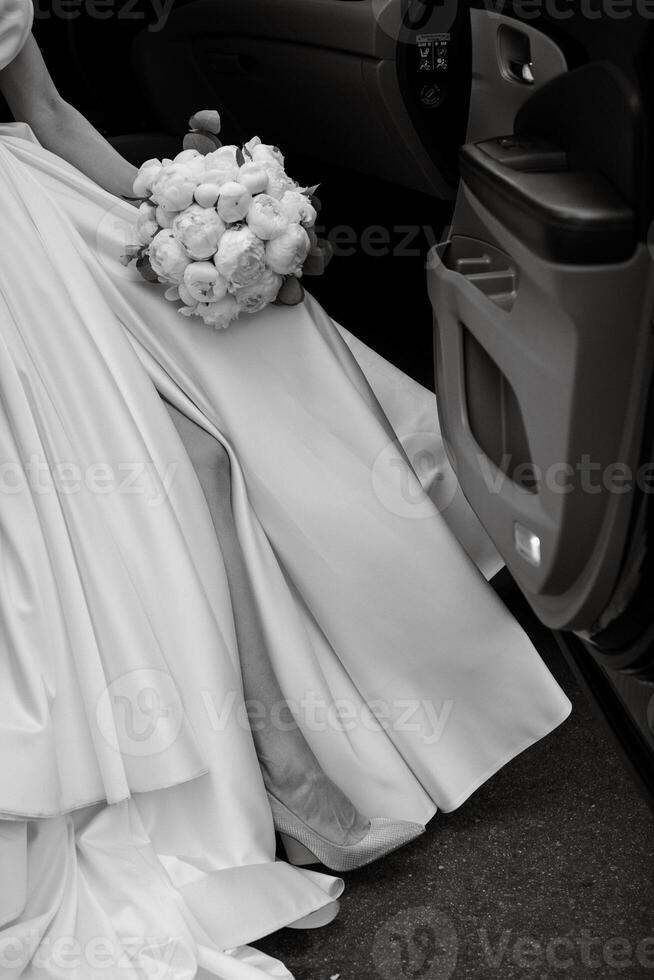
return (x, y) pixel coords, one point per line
(316, 820)
(311, 795)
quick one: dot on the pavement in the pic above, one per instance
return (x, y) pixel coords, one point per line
(545, 872)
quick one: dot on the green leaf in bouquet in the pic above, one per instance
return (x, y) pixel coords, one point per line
(145, 269)
(314, 264)
(132, 252)
(240, 156)
(135, 200)
(291, 293)
(202, 141)
(207, 120)
(319, 258)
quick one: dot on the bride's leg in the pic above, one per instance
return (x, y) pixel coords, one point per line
(290, 769)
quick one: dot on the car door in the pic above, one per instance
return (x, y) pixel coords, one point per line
(543, 300)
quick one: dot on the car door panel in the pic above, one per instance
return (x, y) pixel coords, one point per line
(552, 376)
(499, 46)
(543, 296)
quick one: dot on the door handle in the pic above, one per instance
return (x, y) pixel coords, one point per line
(514, 55)
(522, 71)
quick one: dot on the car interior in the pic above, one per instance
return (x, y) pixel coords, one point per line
(489, 165)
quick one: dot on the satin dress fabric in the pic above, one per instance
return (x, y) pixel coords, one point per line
(134, 820)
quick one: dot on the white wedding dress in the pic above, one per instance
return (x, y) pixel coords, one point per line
(132, 802)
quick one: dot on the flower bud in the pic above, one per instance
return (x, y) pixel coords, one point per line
(254, 177)
(234, 202)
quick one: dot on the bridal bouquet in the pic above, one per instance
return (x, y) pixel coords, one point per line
(225, 227)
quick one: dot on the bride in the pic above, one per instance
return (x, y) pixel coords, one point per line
(228, 605)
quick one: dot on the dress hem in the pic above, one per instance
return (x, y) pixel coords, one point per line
(496, 766)
(9, 814)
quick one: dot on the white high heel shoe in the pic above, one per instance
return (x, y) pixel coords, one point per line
(304, 845)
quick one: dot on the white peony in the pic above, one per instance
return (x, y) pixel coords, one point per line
(199, 230)
(254, 177)
(241, 257)
(221, 165)
(266, 217)
(287, 253)
(173, 187)
(221, 173)
(261, 152)
(279, 183)
(226, 231)
(196, 167)
(224, 154)
(253, 298)
(219, 314)
(146, 223)
(299, 208)
(204, 283)
(186, 156)
(206, 194)
(167, 257)
(234, 202)
(148, 171)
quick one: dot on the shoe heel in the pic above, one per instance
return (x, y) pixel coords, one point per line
(297, 853)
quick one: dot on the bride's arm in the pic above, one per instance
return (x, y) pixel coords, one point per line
(33, 98)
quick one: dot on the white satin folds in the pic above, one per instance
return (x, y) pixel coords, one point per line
(114, 601)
